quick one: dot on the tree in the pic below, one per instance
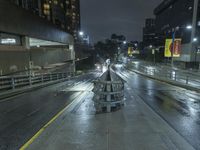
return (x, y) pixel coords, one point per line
(109, 47)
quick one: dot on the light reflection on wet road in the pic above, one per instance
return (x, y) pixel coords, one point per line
(178, 107)
(22, 116)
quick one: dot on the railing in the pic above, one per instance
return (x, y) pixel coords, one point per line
(19, 81)
(184, 77)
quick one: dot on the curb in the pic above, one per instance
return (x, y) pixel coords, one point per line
(175, 83)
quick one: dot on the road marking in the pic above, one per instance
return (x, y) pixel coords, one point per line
(27, 144)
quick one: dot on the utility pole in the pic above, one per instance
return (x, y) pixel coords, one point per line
(194, 24)
(173, 47)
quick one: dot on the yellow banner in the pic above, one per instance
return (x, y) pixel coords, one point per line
(169, 47)
(130, 51)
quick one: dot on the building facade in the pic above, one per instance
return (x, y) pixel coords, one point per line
(177, 15)
(149, 32)
(28, 40)
(62, 13)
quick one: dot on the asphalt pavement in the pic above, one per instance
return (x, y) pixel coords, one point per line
(23, 115)
(179, 107)
(135, 126)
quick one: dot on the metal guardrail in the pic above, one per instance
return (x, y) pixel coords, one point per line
(109, 92)
(20, 81)
(184, 77)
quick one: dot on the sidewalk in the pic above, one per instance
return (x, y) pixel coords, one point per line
(168, 67)
(177, 77)
(134, 127)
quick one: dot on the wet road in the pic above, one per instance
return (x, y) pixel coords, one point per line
(180, 108)
(22, 116)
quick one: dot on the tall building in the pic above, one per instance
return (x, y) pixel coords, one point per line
(149, 32)
(62, 13)
(74, 26)
(178, 14)
(34, 34)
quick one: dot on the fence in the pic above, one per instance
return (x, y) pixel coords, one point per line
(184, 77)
(19, 81)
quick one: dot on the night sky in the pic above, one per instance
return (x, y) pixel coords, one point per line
(101, 18)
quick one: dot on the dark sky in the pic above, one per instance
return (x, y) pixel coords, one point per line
(101, 18)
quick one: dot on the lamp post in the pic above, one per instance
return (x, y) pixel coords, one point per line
(80, 38)
(120, 49)
(153, 50)
(173, 41)
(172, 51)
(194, 24)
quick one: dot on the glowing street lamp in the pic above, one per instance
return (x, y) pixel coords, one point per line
(81, 33)
(124, 42)
(195, 39)
(189, 27)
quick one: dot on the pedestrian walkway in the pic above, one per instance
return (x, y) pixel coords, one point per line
(183, 78)
(134, 127)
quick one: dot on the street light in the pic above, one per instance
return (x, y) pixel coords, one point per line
(124, 42)
(81, 33)
(195, 39)
(153, 50)
(189, 27)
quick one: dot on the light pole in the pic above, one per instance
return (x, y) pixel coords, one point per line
(81, 34)
(173, 41)
(172, 51)
(120, 48)
(194, 24)
(153, 50)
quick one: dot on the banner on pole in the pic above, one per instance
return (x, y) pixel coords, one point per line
(169, 48)
(130, 51)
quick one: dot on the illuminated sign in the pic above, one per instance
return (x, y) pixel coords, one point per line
(8, 41)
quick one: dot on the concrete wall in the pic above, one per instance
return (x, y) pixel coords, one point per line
(46, 56)
(13, 61)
